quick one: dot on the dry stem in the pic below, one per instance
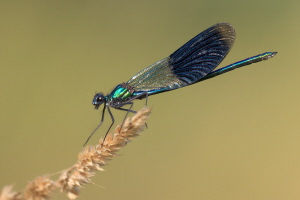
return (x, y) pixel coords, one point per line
(90, 160)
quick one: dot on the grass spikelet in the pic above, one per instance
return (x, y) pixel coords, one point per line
(93, 158)
(90, 160)
(40, 188)
(7, 193)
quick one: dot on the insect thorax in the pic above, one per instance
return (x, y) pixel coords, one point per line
(121, 93)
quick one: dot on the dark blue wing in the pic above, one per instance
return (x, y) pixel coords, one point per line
(188, 64)
(203, 53)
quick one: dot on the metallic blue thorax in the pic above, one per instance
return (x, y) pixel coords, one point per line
(121, 93)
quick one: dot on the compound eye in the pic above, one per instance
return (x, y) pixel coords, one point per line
(100, 98)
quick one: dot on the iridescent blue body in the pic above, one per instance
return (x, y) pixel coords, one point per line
(195, 61)
(120, 93)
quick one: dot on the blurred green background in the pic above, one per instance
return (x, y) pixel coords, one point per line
(232, 137)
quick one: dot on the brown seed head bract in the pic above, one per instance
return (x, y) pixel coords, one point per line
(8, 194)
(93, 158)
(40, 188)
(90, 160)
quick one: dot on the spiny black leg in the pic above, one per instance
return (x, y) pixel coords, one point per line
(138, 96)
(102, 119)
(128, 110)
(113, 121)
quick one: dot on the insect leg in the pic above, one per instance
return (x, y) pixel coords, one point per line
(140, 95)
(128, 110)
(136, 97)
(113, 121)
(102, 119)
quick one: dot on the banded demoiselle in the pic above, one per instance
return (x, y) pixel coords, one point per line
(192, 63)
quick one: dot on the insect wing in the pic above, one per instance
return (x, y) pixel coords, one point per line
(188, 64)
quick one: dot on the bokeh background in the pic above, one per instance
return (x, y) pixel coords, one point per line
(233, 137)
